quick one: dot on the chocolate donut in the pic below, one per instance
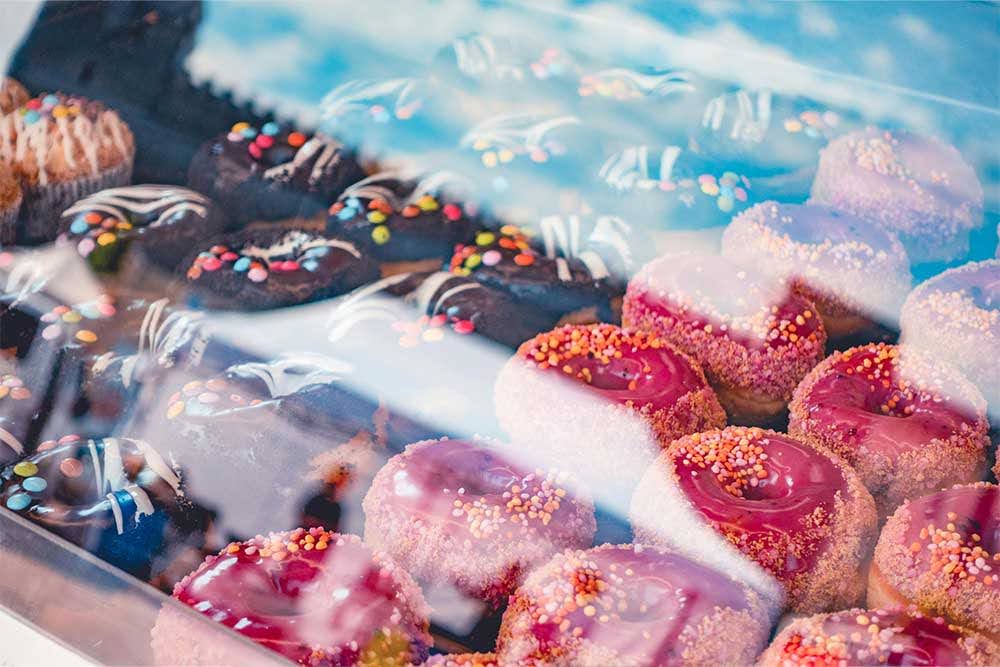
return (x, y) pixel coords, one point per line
(269, 268)
(271, 172)
(906, 422)
(827, 256)
(940, 553)
(798, 513)
(406, 223)
(919, 188)
(955, 314)
(892, 636)
(461, 513)
(313, 596)
(631, 605)
(574, 271)
(754, 337)
(115, 497)
(163, 221)
(640, 393)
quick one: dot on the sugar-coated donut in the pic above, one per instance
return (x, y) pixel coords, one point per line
(916, 187)
(313, 596)
(941, 552)
(829, 257)
(645, 392)
(906, 422)
(753, 336)
(894, 636)
(630, 606)
(462, 660)
(459, 512)
(801, 514)
(956, 314)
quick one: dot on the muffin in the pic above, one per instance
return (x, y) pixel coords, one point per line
(12, 94)
(62, 148)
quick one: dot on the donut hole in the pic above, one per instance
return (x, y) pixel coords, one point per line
(889, 401)
(651, 598)
(774, 487)
(618, 375)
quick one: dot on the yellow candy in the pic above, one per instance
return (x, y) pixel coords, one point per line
(427, 203)
(485, 238)
(480, 145)
(376, 217)
(107, 238)
(489, 159)
(432, 335)
(72, 317)
(506, 155)
(124, 226)
(86, 336)
(59, 111)
(25, 469)
(381, 235)
(239, 127)
(175, 409)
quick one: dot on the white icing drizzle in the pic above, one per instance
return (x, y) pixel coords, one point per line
(295, 243)
(750, 121)
(515, 131)
(329, 155)
(448, 293)
(660, 84)
(629, 168)
(8, 439)
(25, 278)
(116, 510)
(478, 55)
(433, 183)
(561, 238)
(357, 95)
(110, 475)
(141, 201)
(358, 306)
(289, 374)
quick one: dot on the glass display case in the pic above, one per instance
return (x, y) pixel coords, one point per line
(501, 333)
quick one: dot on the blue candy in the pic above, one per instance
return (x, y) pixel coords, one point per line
(310, 265)
(318, 251)
(18, 501)
(34, 484)
(31, 117)
(79, 226)
(270, 129)
(242, 264)
(50, 100)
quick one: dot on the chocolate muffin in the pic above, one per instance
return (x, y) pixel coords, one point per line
(10, 205)
(271, 172)
(161, 222)
(404, 222)
(267, 268)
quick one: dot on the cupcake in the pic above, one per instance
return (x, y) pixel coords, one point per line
(12, 94)
(10, 204)
(62, 148)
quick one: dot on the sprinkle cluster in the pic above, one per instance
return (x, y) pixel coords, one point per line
(27, 481)
(735, 456)
(494, 153)
(207, 392)
(600, 342)
(61, 318)
(100, 230)
(263, 139)
(533, 498)
(13, 387)
(378, 212)
(552, 62)
(278, 546)
(812, 123)
(431, 328)
(878, 154)
(878, 364)
(256, 269)
(955, 551)
(49, 106)
(491, 248)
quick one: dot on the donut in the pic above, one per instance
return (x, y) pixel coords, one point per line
(268, 268)
(753, 336)
(918, 188)
(895, 636)
(163, 221)
(800, 514)
(640, 393)
(313, 596)
(404, 222)
(115, 497)
(940, 553)
(953, 315)
(272, 172)
(463, 660)
(461, 513)
(906, 422)
(631, 605)
(828, 257)
(574, 271)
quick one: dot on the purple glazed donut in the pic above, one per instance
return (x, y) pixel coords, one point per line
(878, 637)
(829, 257)
(955, 315)
(916, 187)
(754, 337)
(630, 606)
(457, 512)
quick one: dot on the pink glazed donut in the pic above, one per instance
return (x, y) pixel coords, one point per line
(800, 514)
(941, 552)
(907, 423)
(630, 606)
(754, 337)
(918, 188)
(459, 512)
(878, 637)
(636, 389)
(829, 257)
